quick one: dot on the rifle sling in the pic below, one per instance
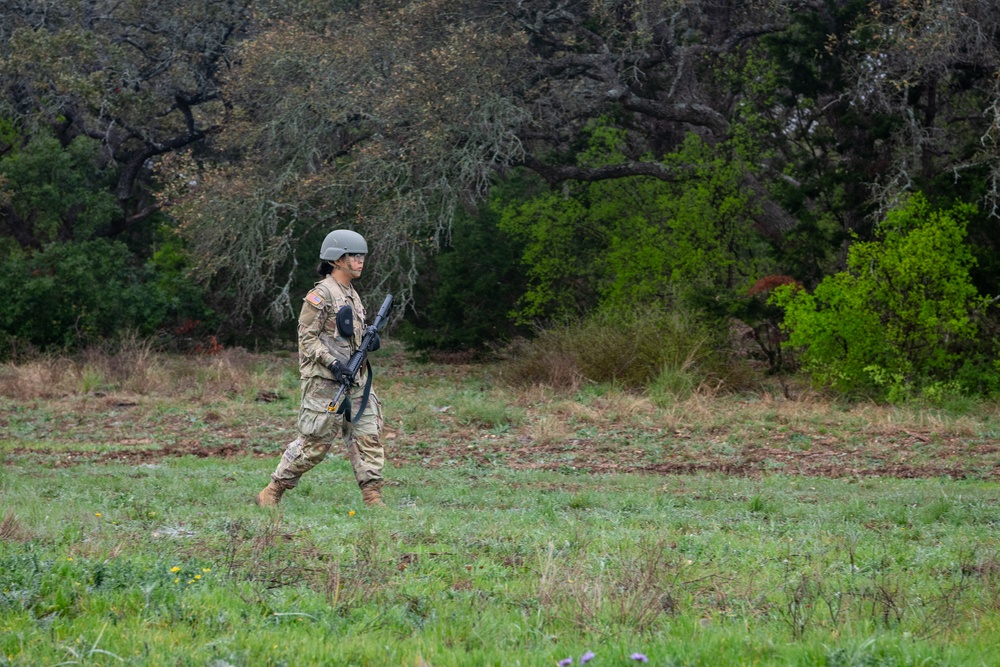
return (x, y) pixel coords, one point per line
(345, 405)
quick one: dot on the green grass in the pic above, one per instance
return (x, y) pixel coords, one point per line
(502, 544)
(495, 568)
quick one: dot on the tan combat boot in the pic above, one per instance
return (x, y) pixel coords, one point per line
(270, 496)
(371, 494)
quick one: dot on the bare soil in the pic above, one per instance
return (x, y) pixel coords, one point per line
(131, 433)
(894, 454)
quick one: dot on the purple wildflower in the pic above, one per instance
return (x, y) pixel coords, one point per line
(640, 657)
(586, 657)
(566, 662)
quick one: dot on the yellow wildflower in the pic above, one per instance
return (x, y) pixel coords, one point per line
(175, 569)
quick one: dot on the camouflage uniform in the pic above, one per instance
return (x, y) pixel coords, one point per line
(320, 344)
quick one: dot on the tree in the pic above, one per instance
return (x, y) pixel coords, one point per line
(932, 67)
(140, 77)
(386, 120)
(389, 116)
(630, 242)
(54, 193)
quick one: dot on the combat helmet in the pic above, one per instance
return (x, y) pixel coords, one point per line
(340, 242)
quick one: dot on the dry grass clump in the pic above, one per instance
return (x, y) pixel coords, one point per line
(632, 588)
(126, 364)
(230, 371)
(132, 365)
(626, 408)
(541, 362)
(577, 412)
(549, 430)
(43, 377)
(11, 530)
(923, 420)
(671, 351)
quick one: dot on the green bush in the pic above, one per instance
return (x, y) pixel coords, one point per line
(66, 277)
(904, 319)
(72, 294)
(56, 193)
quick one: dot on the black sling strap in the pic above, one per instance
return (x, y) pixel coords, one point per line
(345, 405)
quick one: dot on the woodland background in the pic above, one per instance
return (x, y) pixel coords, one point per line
(717, 190)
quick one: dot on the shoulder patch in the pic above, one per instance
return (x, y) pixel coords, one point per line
(314, 298)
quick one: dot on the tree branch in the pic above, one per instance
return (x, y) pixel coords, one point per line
(131, 171)
(554, 175)
(692, 113)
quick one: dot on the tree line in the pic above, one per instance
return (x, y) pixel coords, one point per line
(820, 171)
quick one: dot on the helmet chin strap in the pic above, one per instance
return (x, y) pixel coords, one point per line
(353, 273)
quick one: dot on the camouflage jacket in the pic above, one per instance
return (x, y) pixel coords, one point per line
(320, 341)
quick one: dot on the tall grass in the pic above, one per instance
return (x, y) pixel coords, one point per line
(673, 353)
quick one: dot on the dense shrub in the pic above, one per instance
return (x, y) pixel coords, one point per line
(51, 193)
(71, 294)
(467, 291)
(904, 319)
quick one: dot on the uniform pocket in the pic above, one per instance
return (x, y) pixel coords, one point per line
(294, 451)
(314, 417)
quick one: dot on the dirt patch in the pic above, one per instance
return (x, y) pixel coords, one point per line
(132, 456)
(617, 436)
(899, 455)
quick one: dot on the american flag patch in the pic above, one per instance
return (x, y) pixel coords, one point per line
(314, 298)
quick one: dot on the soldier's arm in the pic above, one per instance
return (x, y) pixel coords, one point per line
(315, 310)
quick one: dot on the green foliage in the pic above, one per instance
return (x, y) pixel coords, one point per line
(467, 291)
(637, 240)
(903, 319)
(65, 282)
(181, 300)
(56, 193)
(74, 293)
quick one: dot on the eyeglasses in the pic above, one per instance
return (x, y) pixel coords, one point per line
(356, 255)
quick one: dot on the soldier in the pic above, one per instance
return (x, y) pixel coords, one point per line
(331, 326)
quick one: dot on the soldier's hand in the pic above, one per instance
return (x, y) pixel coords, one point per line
(376, 341)
(340, 372)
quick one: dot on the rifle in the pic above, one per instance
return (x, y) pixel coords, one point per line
(360, 356)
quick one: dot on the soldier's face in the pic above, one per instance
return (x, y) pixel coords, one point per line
(354, 264)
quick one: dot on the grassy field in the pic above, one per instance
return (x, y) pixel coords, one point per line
(524, 526)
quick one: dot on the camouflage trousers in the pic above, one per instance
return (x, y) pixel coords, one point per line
(318, 427)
